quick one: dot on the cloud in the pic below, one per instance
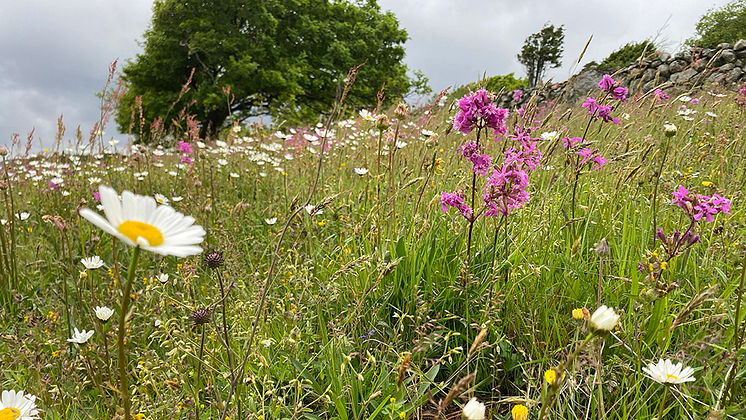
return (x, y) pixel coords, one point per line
(54, 55)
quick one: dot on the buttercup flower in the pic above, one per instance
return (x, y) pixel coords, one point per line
(103, 313)
(137, 221)
(474, 410)
(80, 337)
(16, 405)
(665, 372)
(519, 412)
(93, 262)
(604, 319)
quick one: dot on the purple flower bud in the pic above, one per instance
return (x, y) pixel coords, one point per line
(660, 235)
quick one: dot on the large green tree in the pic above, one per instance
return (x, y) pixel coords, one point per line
(284, 58)
(542, 50)
(724, 24)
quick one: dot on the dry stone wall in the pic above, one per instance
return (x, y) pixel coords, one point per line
(724, 66)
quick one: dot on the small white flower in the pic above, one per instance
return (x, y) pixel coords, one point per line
(220, 143)
(427, 133)
(551, 135)
(236, 128)
(177, 198)
(163, 278)
(711, 114)
(200, 145)
(271, 221)
(401, 144)
(158, 323)
(665, 372)
(113, 142)
(474, 410)
(93, 262)
(685, 98)
(23, 215)
(103, 313)
(367, 116)
(94, 180)
(80, 337)
(312, 210)
(235, 175)
(161, 199)
(268, 342)
(222, 162)
(360, 171)
(604, 319)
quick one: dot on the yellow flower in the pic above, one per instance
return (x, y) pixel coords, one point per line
(392, 400)
(402, 415)
(664, 265)
(550, 376)
(520, 412)
(706, 184)
(577, 313)
(139, 416)
(55, 353)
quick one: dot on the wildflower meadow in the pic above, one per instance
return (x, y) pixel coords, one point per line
(452, 259)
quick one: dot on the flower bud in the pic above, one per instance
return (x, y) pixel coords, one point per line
(670, 130)
(3, 151)
(383, 122)
(602, 250)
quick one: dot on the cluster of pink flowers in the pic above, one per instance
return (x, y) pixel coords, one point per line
(741, 97)
(517, 95)
(587, 155)
(481, 162)
(599, 111)
(662, 96)
(698, 206)
(506, 188)
(186, 149)
(455, 199)
(476, 110)
(611, 87)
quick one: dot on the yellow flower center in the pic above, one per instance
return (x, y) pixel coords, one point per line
(9, 413)
(134, 230)
(669, 376)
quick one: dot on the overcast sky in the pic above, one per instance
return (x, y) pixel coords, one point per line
(54, 54)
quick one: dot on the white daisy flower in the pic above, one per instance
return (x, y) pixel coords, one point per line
(367, 116)
(551, 135)
(94, 180)
(161, 199)
(163, 278)
(235, 175)
(103, 313)
(360, 171)
(93, 262)
(312, 210)
(271, 221)
(604, 319)
(401, 144)
(16, 405)
(80, 337)
(177, 198)
(23, 215)
(665, 372)
(474, 410)
(427, 133)
(711, 114)
(137, 221)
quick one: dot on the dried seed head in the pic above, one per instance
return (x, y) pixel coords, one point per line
(401, 111)
(3, 151)
(602, 250)
(214, 259)
(201, 316)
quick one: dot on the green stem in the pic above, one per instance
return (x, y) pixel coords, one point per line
(663, 403)
(120, 333)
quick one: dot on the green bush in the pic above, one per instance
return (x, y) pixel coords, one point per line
(726, 24)
(626, 55)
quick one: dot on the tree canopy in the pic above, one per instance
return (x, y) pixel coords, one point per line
(725, 24)
(542, 50)
(258, 57)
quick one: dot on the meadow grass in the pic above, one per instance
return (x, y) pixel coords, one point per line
(372, 311)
